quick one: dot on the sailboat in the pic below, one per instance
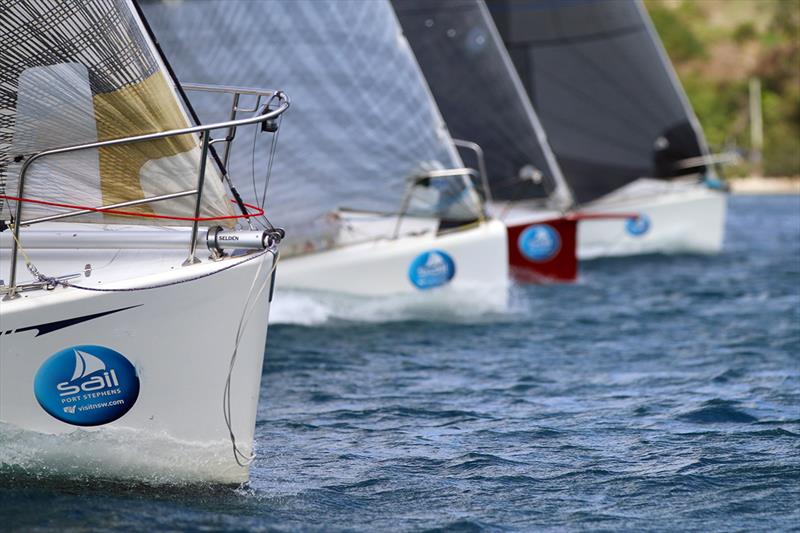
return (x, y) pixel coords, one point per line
(133, 295)
(619, 123)
(486, 108)
(377, 201)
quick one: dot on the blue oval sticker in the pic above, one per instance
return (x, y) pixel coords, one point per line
(539, 242)
(86, 385)
(431, 269)
(637, 226)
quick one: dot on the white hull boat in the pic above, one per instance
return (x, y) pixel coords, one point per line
(521, 179)
(133, 310)
(620, 125)
(673, 217)
(135, 349)
(381, 203)
(425, 260)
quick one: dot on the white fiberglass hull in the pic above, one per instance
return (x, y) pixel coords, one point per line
(430, 264)
(177, 339)
(675, 218)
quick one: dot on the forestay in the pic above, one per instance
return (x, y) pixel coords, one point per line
(481, 97)
(603, 86)
(363, 122)
(85, 71)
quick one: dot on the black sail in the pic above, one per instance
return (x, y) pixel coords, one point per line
(605, 91)
(480, 96)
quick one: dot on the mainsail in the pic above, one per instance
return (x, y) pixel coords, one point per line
(481, 96)
(85, 71)
(363, 121)
(603, 86)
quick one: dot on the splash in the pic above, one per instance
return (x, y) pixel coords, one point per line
(115, 454)
(307, 308)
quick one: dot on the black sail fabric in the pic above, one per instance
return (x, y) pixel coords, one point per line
(481, 97)
(362, 120)
(597, 75)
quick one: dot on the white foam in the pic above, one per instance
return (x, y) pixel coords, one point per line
(314, 308)
(116, 454)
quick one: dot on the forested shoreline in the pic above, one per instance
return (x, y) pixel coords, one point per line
(717, 47)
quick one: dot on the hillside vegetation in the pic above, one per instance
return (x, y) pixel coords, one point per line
(716, 47)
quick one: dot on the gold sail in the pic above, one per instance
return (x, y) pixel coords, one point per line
(83, 72)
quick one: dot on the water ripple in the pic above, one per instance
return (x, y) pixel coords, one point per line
(659, 393)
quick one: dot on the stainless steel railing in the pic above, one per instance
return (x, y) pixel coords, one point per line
(484, 177)
(262, 114)
(453, 173)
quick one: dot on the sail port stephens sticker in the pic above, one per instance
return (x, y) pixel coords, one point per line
(431, 269)
(86, 385)
(539, 242)
(637, 226)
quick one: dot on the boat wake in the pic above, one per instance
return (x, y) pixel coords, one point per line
(115, 454)
(308, 308)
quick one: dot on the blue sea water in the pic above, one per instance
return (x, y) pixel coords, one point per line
(659, 393)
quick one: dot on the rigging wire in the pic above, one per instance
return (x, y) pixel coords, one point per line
(262, 198)
(272, 151)
(243, 459)
(253, 163)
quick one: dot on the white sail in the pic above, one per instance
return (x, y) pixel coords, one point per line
(85, 364)
(80, 367)
(86, 71)
(363, 121)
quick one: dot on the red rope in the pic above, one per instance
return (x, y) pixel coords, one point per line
(602, 216)
(258, 210)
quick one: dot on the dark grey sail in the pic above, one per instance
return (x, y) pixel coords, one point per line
(598, 76)
(481, 97)
(363, 121)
